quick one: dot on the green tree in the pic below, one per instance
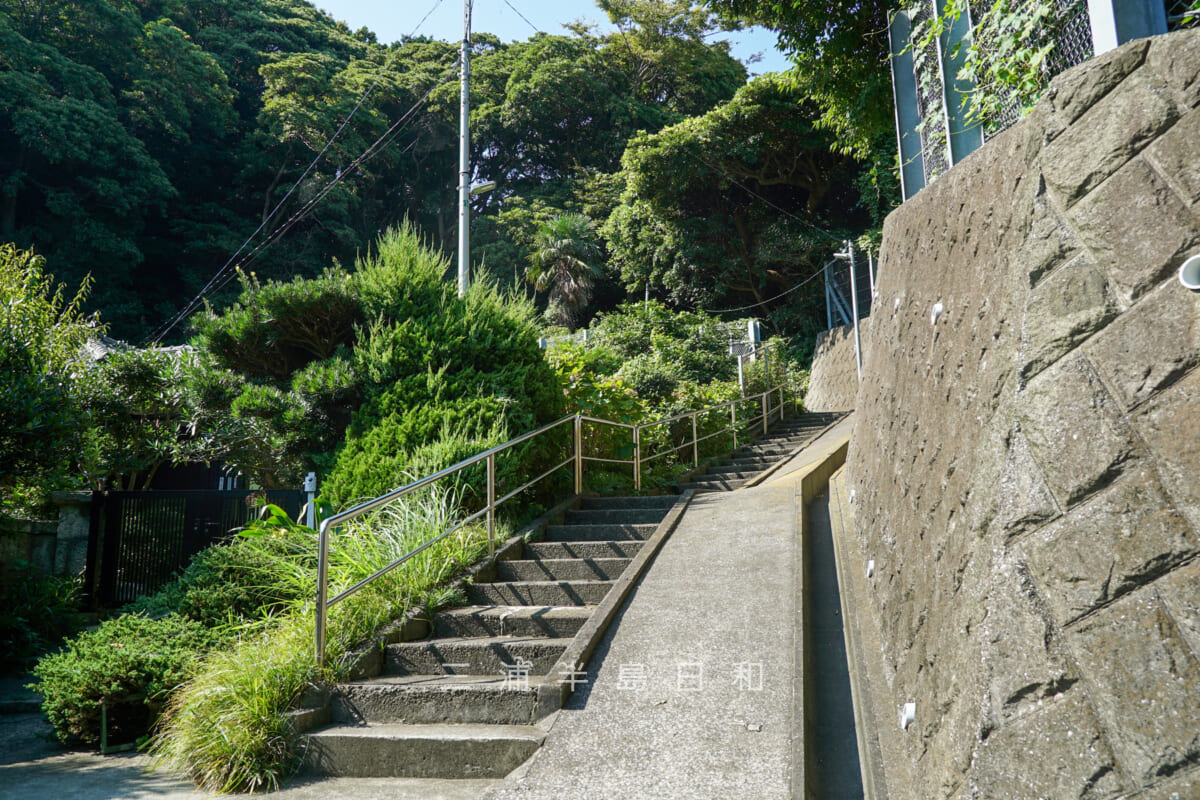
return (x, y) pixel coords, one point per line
(42, 338)
(732, 207)
(565, 263)
(839, 53)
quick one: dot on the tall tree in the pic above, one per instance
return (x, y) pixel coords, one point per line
(565, 262)
(839, 52)
(733, 206)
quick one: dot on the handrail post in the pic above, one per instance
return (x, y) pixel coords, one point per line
(579, 453)
(637, 458)
(322, 580)
(695, 442)
(764, 410)
(491, 503)
(733, 423)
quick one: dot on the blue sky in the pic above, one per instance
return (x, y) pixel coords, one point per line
(390, 20)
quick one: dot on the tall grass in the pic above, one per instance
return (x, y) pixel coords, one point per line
(227, 727)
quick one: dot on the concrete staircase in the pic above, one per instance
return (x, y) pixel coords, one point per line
(751, 460)
(463, 702)
(460, 698)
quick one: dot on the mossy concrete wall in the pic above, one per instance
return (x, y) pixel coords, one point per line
(1026, 465)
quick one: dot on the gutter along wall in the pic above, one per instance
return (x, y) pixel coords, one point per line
(1025, 465)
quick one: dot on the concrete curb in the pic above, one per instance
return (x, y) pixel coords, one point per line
(553, 695)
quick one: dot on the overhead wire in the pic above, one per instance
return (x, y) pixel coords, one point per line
(374, 149)
(799, 285)
(229, 266)
(782, 210)
(522, 16)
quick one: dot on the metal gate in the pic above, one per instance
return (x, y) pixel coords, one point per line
(141, 540)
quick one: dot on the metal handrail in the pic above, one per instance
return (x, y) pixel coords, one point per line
(577, 458)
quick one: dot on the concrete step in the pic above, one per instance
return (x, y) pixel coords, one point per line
(733, 471)
(434, 699)
(492, 620)
(598, 533)
(705, 484)
(550, 550)
(763, 450)
(753, 462)
(539, 593)
(493, 655)
(421, 751)
(562, 569)
(615, 516)
(648, 501)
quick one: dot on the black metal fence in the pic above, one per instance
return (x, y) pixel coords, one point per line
(140, 540)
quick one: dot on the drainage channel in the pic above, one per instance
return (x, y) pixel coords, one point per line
(832, 766)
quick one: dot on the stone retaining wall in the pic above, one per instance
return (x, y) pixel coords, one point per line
(1026, 463)
(833, 382)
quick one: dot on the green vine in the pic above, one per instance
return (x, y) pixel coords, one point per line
(1007, 55)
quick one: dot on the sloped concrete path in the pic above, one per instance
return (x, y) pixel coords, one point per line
(690, 694)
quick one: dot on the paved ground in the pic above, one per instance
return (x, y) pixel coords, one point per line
(690, 693)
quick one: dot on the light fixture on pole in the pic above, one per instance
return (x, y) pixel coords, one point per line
(464, 157)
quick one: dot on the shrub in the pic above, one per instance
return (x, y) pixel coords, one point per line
(36, 612)
(226, 728)
(355, 374)
(129, 660)
(42, 334)
(225, 588)
(228, 584)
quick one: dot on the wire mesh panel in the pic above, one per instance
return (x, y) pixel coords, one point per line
(927, 69)
(838, 291)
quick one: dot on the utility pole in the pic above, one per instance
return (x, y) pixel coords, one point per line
(464, 158)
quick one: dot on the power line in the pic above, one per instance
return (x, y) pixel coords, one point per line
(802, 283)
(374, 149)
(226, 267)
(226, 274)
(522, 16)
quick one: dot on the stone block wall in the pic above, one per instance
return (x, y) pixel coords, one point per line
(833, 382)
(1026, 464)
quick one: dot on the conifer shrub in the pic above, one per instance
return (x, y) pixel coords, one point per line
(372, 375)
(132, 662)
(136, 659)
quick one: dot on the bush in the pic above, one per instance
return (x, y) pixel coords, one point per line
(443, 367)
(36, 612)
(131, 660)
(225, 588)
(357, 374)
(228, 584)
(226, 727)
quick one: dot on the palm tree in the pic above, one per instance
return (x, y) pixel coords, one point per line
(564, 262)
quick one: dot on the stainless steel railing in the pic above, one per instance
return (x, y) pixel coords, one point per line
(770, 409)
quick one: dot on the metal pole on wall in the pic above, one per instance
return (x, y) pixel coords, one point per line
(871, 274)
(464, 157)
(854, 310)
(310, 488)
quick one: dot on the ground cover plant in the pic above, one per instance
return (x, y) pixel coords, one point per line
(226, 728)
